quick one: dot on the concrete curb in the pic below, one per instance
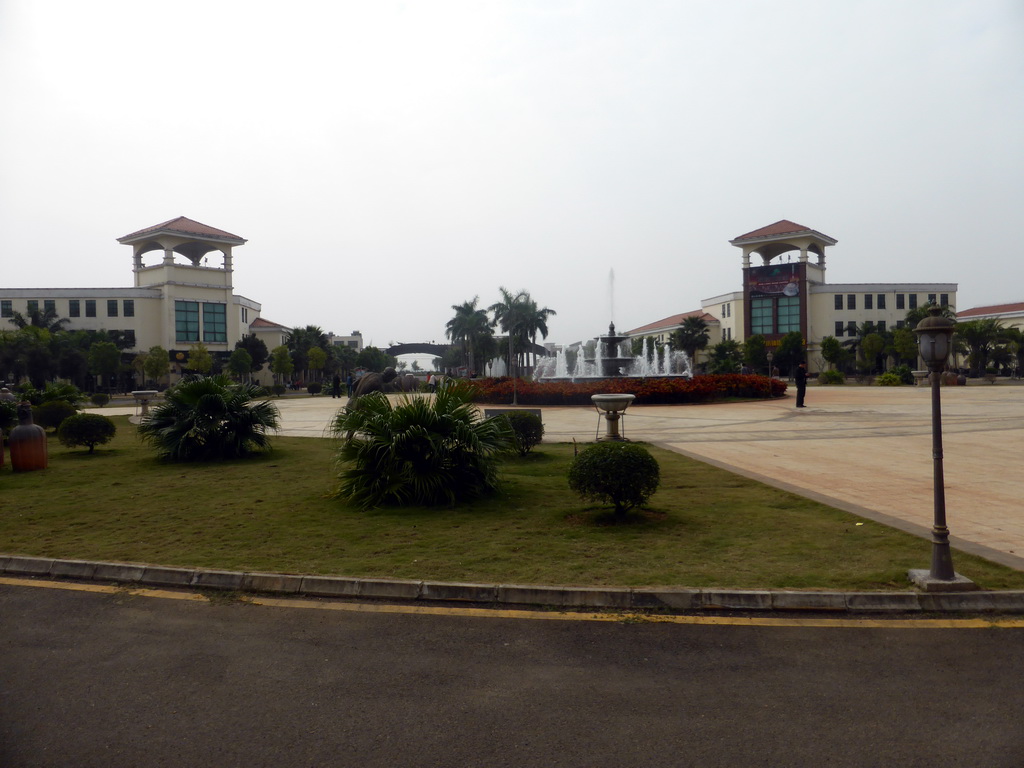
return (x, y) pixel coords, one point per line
(505, 595)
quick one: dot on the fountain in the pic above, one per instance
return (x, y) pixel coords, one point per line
(612, 358)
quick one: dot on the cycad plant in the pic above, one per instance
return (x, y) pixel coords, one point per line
(423, 450)
(210, 418)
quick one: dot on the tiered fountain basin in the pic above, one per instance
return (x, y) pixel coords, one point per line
(675, 390)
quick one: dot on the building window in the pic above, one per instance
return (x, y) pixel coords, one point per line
(881, 301)
(33, 305)
(6, 308)
(50, 305)
(789, 314)
(111, 307)
(913, 301)
(186, 321)
(839, 329)
(839, 301)
(245, 315)
(74, 308)
(129, 337)
(880, 326)
(931, 298)
(761, 316)
(901, 324)
(215, 322)
(851, 301)
(129, 307)
(353, 343)
(868, 301)
(899, 301)
(851, 328)
(90, 307)
(944, 299)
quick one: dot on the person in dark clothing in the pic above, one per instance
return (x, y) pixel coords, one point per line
(336, 386)
(801, 384)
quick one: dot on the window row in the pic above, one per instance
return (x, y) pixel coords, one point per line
(849, 327)
(774, 315)
(877, 301)
(187, 326)
(115, 308)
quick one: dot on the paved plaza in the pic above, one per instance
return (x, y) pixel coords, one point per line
(862, 449)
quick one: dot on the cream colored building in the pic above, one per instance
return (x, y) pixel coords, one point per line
(182, 294)
(1008, 315)
(784, 289)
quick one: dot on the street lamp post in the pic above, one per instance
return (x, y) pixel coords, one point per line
(934, 336)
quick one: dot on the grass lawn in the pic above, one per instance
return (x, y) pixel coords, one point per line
(705, 526)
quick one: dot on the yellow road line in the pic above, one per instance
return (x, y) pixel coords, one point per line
(539, 615)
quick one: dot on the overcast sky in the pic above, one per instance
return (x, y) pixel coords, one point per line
(386, 160)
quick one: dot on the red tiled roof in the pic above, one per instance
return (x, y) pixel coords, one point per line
(673, 320)
(783, 227)
(185, 226)
(778, 229)
(995, 309)
(259, 322)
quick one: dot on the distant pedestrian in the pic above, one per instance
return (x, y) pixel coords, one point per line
(336, 386)
(348, 385)
(801, 384)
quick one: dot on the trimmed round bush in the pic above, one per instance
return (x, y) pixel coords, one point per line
(99, 399)
(623, 474)
(831, 377)
(527, 429)
(89, 429)
(314, 388)
(279, 389)
(51, 413)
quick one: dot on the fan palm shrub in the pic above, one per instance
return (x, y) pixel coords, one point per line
(210, 418)
(422, 450)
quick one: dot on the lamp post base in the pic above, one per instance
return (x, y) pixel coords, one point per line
(923, 580)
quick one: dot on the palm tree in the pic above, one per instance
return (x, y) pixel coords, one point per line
(470, 326)
(536, 320)
(420, 451)
(691, 336)
(209, 418)
(300, 341)
(511, 314)
(47, 319)
(980, 337)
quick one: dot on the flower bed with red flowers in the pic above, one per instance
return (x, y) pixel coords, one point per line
(652, 391)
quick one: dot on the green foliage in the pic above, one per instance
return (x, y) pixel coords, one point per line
(905, 374)
(790, 351)
(240, 363)
(278, 389)
(623, 474)
(527, 430)
(889, 379)
(421, 451)
(50, 413)
(375, 360)
(157, 363)
(281, 362)
(831, 377)
(209, 418)
(726, 357)
(66, 392)
(755, 353)
(88, 429)
(104, 360)
(99, 399)
(8, 415)
(314, 388)
(256, 349)
(199, 358)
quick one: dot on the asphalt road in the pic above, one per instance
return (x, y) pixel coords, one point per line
(114, 680)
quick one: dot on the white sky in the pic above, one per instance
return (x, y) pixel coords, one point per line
(386, 160)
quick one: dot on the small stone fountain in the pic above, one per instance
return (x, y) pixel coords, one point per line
(613, 406)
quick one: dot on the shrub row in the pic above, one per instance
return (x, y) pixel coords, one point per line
(653, 391)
